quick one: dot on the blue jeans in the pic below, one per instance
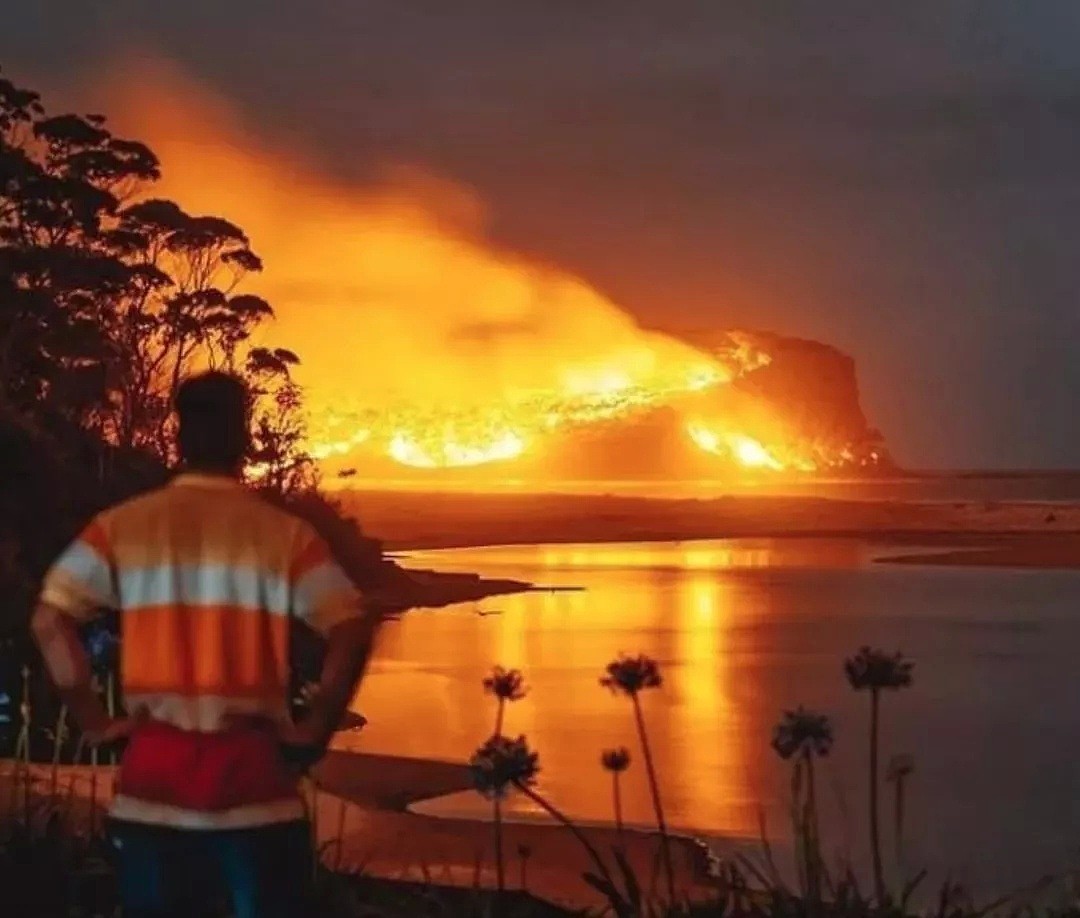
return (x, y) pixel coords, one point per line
(263, 872)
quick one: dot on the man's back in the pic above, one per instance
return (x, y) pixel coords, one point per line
(208, 578)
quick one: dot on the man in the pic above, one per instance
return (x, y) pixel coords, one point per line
(207, 577)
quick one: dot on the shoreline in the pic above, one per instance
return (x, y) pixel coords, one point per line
(420, 588)
(1060, 552)
(1022, 534)
(387, 837)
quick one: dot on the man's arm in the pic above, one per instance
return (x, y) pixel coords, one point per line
(349, 646)
(326, 600)
(78, 585)
(65, 659)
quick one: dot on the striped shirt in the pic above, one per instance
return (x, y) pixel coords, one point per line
(207, 577)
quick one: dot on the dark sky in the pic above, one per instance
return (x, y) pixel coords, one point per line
(901, 179)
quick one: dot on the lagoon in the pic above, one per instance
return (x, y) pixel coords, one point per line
(743, 629)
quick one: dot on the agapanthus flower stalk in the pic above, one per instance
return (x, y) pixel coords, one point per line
(875, 671)
(507, 685)
(630, 676)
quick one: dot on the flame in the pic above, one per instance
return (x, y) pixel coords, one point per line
(445, 450)
(421, 340)
(339, 447)
(397, 303)
(751, 453)
(743, 449)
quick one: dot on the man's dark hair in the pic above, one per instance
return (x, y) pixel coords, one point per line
(213, 410)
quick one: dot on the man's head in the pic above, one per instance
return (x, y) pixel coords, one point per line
(213, 410)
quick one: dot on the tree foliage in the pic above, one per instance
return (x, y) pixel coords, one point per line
(109, 295)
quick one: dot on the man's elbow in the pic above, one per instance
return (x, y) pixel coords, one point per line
(45, 623)
(56, 639)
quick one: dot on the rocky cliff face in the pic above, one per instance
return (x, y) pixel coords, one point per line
(809, 392)
(794, 405)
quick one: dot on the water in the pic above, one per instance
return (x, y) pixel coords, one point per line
(743, 629)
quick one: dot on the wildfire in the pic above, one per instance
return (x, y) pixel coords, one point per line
(342, 447)
(745, 450)
(422, 342)
(458, 436)
(751, 453)
(447, 451)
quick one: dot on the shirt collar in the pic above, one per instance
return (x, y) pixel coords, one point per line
(204, 480)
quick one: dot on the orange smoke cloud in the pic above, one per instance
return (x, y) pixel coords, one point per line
(390, 294)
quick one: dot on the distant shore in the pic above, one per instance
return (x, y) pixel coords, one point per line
(1036, 552)
(416, 588)
(981, 533)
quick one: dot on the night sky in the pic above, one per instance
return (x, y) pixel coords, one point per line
(901, 180)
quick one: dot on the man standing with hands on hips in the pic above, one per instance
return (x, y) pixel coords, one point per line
(208, 578)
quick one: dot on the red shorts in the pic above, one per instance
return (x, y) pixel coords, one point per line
(208, 772)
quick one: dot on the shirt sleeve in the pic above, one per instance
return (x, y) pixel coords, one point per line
(82, 581)
(322, 595)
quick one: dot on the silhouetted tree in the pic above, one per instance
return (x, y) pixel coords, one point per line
(108, 296)
(62, 267)
(191, 313)
(280, 461)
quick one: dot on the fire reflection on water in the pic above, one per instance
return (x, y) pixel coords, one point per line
(674, 602)
(743, 629)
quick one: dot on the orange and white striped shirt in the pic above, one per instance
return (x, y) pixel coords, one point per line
(208, 578)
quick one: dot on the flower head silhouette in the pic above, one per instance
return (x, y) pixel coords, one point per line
(500, 763)
(629, 675)
(615, 760)
(800, 737)
(876, 670)
(506, 684)
(802, 732)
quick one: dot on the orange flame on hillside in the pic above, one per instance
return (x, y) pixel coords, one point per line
(745, 450)
(420, 341)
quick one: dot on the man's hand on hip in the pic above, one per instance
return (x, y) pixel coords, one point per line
(111, 730)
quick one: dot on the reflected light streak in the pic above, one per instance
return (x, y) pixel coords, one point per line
(713, 775)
